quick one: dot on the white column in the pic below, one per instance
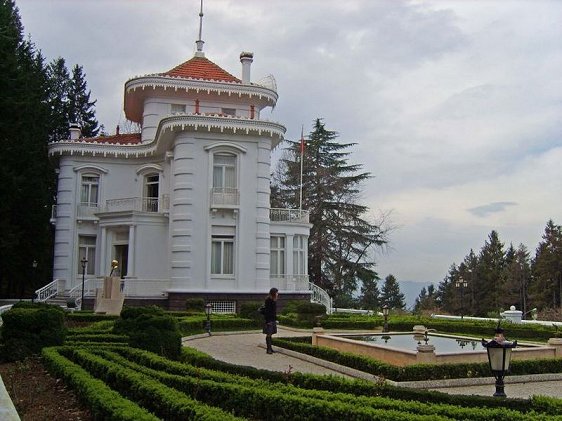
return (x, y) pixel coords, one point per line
(131, 256)
(102, 254)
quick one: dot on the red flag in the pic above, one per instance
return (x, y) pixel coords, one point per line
(302, 140)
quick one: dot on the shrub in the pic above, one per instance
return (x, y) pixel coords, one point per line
(149, 328)
(195, 304)
(27, 329)
(250, 311)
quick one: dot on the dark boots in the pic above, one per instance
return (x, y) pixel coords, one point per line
(268, 343)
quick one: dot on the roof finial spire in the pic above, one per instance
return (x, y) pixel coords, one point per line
(200, 42)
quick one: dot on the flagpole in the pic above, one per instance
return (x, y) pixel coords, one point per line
(302, 155)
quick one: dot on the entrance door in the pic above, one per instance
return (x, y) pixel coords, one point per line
(122, 255)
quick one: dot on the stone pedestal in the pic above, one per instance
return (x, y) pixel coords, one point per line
(109, 299)
(426, 354)
(557, 344)
(316, 331)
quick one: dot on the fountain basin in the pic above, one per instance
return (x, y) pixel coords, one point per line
(394, 352)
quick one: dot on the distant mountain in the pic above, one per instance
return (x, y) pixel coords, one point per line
(411, 291)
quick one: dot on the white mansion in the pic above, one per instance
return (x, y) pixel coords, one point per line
(184, 205)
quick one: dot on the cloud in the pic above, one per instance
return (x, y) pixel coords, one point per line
(452, 104)
(490, 208)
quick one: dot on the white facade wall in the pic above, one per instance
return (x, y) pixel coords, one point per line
(170, 249)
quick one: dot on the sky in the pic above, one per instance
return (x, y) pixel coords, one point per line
(455, 106)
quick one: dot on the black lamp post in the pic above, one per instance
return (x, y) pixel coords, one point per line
(34, 265)
(84, 262)
(385, 311)
(499, 357)
(208, 311)
(462, 284)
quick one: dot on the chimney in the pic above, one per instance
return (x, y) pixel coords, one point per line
(117, 130)
(75, 131)
(246, 60)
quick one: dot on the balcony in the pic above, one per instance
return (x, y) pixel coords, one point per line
(225, 197)
(139, 204)
(87, 211)
(289, 215)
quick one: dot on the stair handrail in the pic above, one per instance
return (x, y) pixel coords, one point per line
(320, 296)
(76, 292)
(48, 291)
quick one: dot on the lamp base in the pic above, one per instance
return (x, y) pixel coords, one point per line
(500, 389)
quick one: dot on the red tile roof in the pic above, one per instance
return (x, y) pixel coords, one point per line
(116, 139)
(201, 68)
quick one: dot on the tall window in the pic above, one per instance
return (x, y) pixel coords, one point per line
(222, 255)
(89, 190)
(299, 253)
(277, 255)
(87, 249)
(224, 171)
(150, 202)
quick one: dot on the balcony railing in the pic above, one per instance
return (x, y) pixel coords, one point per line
(289, 215)
(225, 196)
(87, 210)
(140, 204)
(290, 282)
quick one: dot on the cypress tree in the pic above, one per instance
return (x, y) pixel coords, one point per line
(342, 240)
(27, 186)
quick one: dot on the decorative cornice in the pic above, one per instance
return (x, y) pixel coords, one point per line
(201, 85)
(167, 125)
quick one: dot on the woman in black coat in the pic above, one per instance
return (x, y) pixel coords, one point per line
(270, 314)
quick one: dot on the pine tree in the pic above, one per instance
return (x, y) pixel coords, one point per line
(27, 178)
(547, 269)
(58, 99)
(391, 295)
(370, 295)
(342, 241)
(426, 300)
(81, 109)
(490, 277)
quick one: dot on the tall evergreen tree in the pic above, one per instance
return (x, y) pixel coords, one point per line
(518, 277)
(490, 276)
(342, 241)
(27, 177)
(546, 286)
(370, 294)
(81, 108)
(426, 300)
(58, 99)
(391, 295)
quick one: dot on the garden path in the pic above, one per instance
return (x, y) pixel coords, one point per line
(249, 349)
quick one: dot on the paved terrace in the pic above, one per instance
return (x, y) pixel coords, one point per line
(249, 349)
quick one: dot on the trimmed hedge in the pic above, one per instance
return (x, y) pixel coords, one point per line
(103, 402)
(361, 387)
(149, 363)
(93, 337)
(149, 328)
(418, 371)
(88, 316)
(30, 327)
(165, 401)
(195, 304)
(255, 402)
(193, 325)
